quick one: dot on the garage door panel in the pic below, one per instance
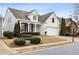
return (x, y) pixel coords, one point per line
(52, 31)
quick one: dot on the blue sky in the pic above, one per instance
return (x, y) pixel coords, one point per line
(60, 9)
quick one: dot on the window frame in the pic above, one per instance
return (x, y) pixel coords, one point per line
(34, 17)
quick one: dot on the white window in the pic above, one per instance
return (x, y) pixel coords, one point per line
(34, 17)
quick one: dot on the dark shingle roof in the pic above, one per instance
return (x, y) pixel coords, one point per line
(44, 17)
(19, 14)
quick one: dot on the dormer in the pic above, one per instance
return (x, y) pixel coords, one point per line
(33, 15)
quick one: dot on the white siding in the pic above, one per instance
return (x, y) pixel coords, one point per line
(50, 27)
(1, 27)
(34, 13)
(9, 21)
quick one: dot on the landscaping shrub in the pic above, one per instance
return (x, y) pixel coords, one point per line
(35, 40)
(77, 34)
(8, 34)
(68, 34)
(19, 41)
(26, 35)
(63, 27)
(17, 29)
(28, 38)
(5, 34)
(32, 33)
(35, 33)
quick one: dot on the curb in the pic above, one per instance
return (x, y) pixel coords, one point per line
(42, 46)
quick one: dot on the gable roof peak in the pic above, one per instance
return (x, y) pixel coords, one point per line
(33, 11)
(48, 13)
(43, 18)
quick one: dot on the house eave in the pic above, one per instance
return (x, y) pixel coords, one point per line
(28, 21)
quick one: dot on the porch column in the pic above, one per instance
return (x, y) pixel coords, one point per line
(28, 26)
(35, 27)
(20, 27)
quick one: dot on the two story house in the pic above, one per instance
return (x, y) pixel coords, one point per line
(32, 21)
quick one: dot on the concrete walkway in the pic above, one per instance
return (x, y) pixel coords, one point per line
(4, 49)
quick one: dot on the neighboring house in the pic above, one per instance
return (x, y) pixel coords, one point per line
(1, 20)
(77, 27)
(32, 22)
(71, 26)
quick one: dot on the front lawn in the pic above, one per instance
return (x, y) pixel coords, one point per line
(44, 40)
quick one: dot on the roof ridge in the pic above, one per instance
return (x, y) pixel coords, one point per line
(47, 13)
(17, 9)
(44, 17)
(21, 14)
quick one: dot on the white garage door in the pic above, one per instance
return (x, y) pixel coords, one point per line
(52, 31)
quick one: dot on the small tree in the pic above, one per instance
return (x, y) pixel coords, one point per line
(17, 29)
(62, 27)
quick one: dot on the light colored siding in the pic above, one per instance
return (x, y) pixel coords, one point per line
(9, 21)
(0, 27)
(34, 13)
(48, 24)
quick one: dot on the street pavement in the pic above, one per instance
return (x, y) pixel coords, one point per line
(68, 49)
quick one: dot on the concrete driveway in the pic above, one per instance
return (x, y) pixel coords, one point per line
(68, 49)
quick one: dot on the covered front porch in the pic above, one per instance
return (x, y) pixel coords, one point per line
(30, 27)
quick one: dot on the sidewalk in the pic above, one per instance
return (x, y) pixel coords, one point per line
(4, 49)
(68, 38)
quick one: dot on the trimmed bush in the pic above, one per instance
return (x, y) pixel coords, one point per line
(35, 33)
(68, 34)
(78, 34)
(25, 35)
(35, 40)
(19, 41)
(5, 34)
(32, 33)
(27, 38)
(17, 29)
(8, 34)
(28, 33)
